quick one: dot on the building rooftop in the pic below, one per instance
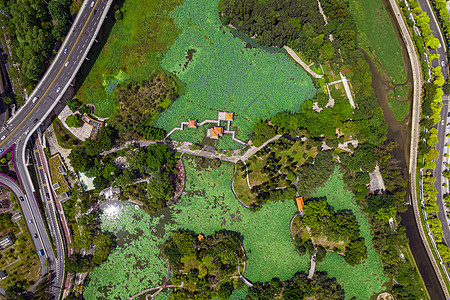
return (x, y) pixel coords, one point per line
(300, 203)
(192, 123)
(215, 132)
(225, 116)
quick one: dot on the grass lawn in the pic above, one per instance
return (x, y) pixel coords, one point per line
(362, 280)
(56, 175)
(220, 73)
(134, 50)
(401, 92)
(399, 109)
(377, 37)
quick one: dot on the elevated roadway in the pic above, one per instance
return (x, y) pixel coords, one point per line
(29, 117)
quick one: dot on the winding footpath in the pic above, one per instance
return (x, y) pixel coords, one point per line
(416, 111)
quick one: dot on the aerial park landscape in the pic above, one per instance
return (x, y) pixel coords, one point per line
(233, 149)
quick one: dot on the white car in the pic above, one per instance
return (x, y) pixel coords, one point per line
(3, 137)
(67, 63)
(439, 47)
(92, 3)
(58, 89)
(26, 132)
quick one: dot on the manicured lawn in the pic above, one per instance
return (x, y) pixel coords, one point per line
(362, 280)
(222, 74)
(399, 109)
(377, 37)
(134, 50)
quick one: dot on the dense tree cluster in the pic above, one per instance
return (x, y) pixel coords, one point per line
(297, 23)
(87, 234)
(33, 27)
(139, 103)
(321, 218)
(83, 158)
(207, 266)
(320, 287)
(338, 225)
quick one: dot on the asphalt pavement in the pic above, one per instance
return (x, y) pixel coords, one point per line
(442, 125)
(28, 118)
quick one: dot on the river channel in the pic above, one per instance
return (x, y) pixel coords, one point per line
(399, 132)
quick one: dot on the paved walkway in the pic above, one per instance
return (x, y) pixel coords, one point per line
(81, 133)
(301, 62)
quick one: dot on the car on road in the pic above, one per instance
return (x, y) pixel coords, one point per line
(65, 50)
(35, 235)
(58, 89)
(41, 252)
(92, 3)
(1, 150)
(3, 137)
(47, 195)
(95, 11)
(21, 198)
(26, 132)
(67, 63)
(35, 121)
(35, 99)
(442, 63)
(29, 221)
(439, 47)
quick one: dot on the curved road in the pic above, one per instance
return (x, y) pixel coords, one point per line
(22, 125)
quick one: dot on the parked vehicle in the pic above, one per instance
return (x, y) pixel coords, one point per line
(41, 252)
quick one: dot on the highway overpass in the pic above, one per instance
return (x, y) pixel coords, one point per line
(28, 118)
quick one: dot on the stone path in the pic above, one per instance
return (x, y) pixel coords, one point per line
(226, 131)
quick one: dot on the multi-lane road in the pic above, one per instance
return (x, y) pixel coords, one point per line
(22, 125)
(442, 125)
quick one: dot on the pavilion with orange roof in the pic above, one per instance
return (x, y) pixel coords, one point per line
(300, 203)
(192, 123)
(215, 132)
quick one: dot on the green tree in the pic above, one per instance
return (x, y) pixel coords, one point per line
(73, 121)
(15, 292)
(320, 254)
(103, 244)
(80, 160)
(160, 188)
(185, 241)
(356, 252)
(73, 104)
(100, 183)
(125, 178)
